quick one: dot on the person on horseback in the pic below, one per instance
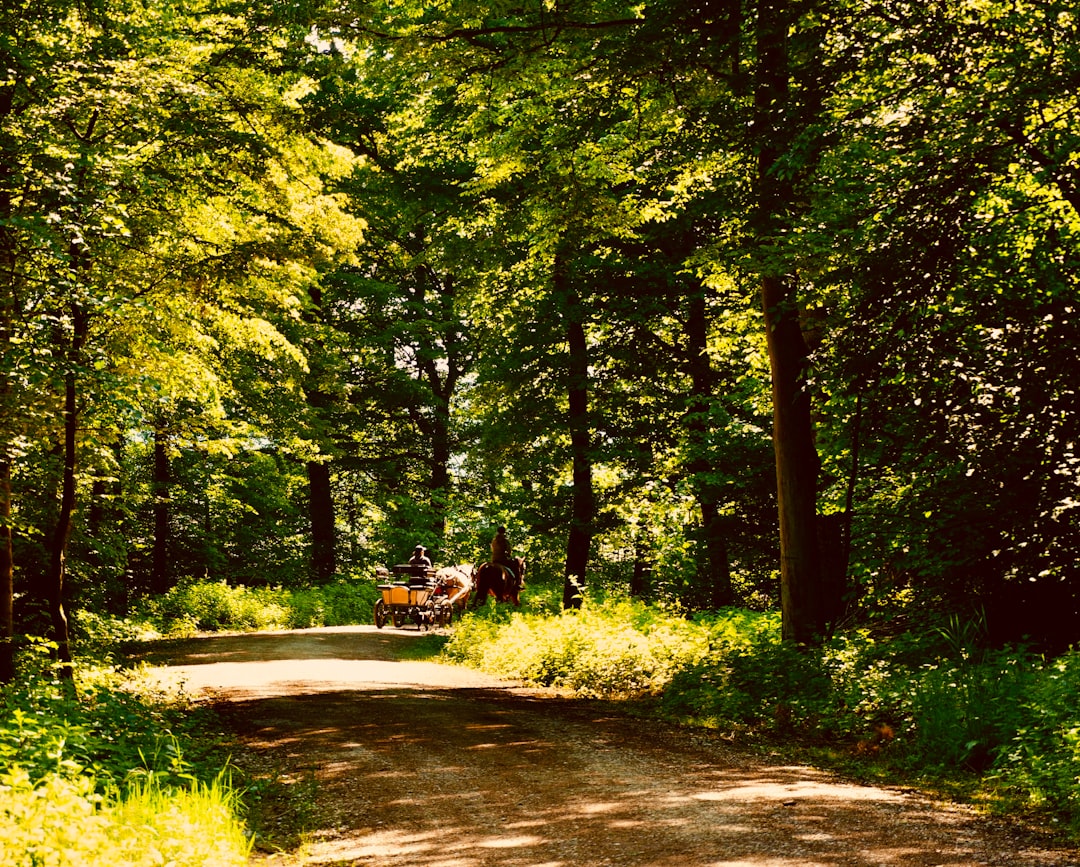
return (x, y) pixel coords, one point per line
(503, 577)
(500, 552)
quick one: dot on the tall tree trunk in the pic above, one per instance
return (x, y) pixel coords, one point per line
(7, 577)
(321, 514)
(797, 464)
(440, 460)
(641, 579)
(715, 570)
(852, 481)
(75, 343)
(834, 537)
(442, 377)
(57, 570)
(581, 522)
(159, 566)
(321, 510)
(797, 461)
(436, 427)
(7, 279)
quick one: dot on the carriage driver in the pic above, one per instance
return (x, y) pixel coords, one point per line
(500, 551)
(420, 557)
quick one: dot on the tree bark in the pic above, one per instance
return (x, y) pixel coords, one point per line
(75, 344)
(7, 578)
(442, 379)
(321, 514)
(641, 579)
(159, 568)
(55, 575)
(321, 511)
(714, 572)
(7, 279)
(797, 462)
(579, 539)
(440, 459)
(437, 428)
(797, 467)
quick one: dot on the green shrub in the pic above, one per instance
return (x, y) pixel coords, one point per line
(61, 821)
(752, 679)
(1041, 762)
(946, 711)
(117, 773)
(212, 606)
(342, 603)
(98, 636)
(964, 713)
(608, 648)
(116, 727)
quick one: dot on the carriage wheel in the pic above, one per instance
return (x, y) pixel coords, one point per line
(397, 617)
(380, 614)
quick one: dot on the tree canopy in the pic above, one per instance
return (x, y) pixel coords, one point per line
(761, 304)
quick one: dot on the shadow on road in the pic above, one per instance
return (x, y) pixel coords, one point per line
(428, 765)
(347, 642)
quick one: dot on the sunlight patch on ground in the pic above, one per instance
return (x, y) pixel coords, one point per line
(267, 678)
(510, 842)
(393, 774)
(432, 849)
(532, 823)
(782, 792)
(592, 809)
(378, 844)
(766, 861)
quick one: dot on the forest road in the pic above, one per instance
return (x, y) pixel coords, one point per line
(430, 765)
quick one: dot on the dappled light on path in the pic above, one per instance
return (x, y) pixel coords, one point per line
(424, 765)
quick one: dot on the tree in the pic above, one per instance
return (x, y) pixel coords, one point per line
(396, 309)
(556, 146)
(948, 224)
(147, 230)
(777, 125)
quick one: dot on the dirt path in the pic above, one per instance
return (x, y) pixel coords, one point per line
(428, 765)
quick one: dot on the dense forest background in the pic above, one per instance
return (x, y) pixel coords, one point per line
(765, 303)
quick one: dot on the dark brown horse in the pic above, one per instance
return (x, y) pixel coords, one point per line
(495, 579)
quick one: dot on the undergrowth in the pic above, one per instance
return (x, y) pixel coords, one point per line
(194, 606)
(110, 771)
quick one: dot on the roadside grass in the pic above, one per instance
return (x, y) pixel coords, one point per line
(62, 820)
(110, 771)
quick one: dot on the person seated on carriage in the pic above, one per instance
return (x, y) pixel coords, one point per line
(501, 553)
(420, 559)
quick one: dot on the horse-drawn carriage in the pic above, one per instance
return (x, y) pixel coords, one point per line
(411, 597)
(421, 595)
(428, 597)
